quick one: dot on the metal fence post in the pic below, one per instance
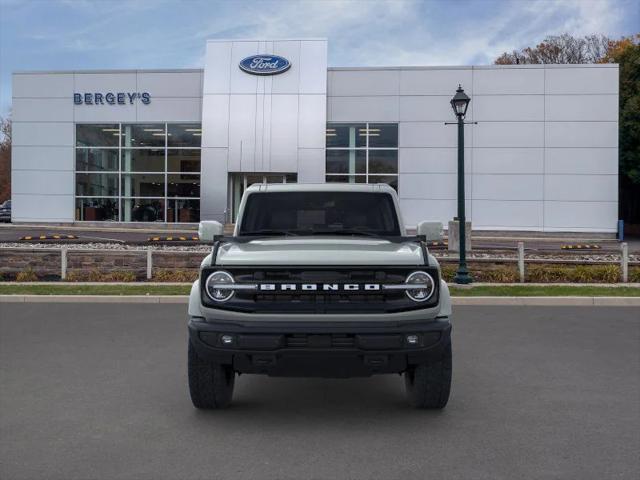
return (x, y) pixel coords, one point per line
(521, 261)
(149, 263)
(625, 262)
(63, 263)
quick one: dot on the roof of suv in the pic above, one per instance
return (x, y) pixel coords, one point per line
(321, 187)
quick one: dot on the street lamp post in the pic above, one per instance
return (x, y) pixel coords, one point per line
(459, 103)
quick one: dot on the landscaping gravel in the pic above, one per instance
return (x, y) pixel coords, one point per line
(440, 254)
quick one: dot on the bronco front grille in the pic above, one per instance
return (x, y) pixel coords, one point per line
(368, 295)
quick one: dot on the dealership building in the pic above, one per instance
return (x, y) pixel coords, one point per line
(177, 146)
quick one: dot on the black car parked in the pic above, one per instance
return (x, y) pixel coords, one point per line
(5, 211)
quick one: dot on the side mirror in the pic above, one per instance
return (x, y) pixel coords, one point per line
(209, 229)
(431, 231)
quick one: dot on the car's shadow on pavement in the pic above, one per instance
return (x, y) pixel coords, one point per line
(268, 402)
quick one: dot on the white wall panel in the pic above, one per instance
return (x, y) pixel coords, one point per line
(415, 210)
(525, 215)
(311, 121)
(432, 160)
(507, 187)
(42, 182)
(359, 109)
(171, 110)
(42, 85)
(213, 195)
(313, 67)
(170, 84)
(581, 134)
(508, 108)
(508, 80)
(576, 216)
(284, 133)
(508, 134)
(42, 208)
(591, 188)
(217, 77)
(42, 134)
(242, 132)
(426, 109)
(42, 110)
(432, 186)
(578, 161)
(508, 160)
(430, 81)
(105, 113)
(42, 158)
(106, 82)
(215, 120)
(430, 134)
(364, 82)
(581, 108)
(288, 81)
(572, 80)
(311, 165)
(241, 82)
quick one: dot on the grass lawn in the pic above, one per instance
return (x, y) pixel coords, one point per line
(479, 291)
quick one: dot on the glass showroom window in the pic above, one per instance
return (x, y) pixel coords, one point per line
(362, 153)
(138, 172)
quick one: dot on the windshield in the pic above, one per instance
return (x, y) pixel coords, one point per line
(307, 213)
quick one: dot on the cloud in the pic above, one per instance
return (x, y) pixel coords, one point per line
(85, 34)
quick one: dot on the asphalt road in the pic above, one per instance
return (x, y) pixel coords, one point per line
(99, 391)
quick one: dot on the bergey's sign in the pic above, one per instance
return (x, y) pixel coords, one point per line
(265, 64)
(110, 98)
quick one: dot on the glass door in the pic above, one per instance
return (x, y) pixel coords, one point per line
(238, 183)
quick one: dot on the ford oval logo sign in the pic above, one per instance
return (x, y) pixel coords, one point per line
(265, 64)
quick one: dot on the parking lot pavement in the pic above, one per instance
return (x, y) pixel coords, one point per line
(99, 391)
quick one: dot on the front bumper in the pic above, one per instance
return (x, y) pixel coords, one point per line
(327, 349)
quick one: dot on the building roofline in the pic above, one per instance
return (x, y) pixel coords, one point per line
(480, 67)
(102, 71)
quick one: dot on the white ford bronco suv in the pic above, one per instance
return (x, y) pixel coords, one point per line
(319, 280)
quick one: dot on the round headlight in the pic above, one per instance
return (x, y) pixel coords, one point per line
(426, 289)
(219, 286)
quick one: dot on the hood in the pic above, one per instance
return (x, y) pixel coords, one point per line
(320, 251)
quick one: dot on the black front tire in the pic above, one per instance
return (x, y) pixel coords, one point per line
(428, 384)
(210, 384)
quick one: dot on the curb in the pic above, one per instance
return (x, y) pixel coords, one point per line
(179, 299)
(548, 301)
(457, 301)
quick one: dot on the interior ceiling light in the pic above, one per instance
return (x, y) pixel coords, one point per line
(192, 129)
(153, 129)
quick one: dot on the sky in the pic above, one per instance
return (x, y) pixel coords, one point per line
(110, 34)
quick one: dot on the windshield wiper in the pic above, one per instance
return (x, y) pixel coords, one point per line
(269, 231)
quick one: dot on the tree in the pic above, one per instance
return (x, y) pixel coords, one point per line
(626, 53)
(563, 48)
(600, 49)
(5, 159)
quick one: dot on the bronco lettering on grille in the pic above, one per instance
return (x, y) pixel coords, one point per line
(314, 287)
